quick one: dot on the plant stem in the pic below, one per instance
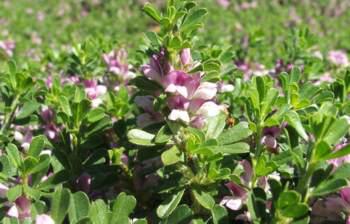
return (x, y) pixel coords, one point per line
(9, 117)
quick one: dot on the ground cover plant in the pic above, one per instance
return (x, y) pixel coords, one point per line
(174, 112)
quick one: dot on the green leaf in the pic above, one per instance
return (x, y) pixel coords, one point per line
(37, 145)
(236, 148)
(239, 132)
(295, 211)
(152, 12)
(163, 135)
(339, 153)
(329, 186)
(322, 149)
(13, 155)
(181, 215)
(31, 192)
(169, 205)
(337, 130)
(27, 109)
(29, 164)
(79, 207)
(215, 126)
(193, 19)
(14, 192)
(204, 199)
(288, 198)
(95, 115)
(99, 212)
(43, 163)
(65, 106)
(122, 208)
(60, 204)
(220, 215)
(293, 119)
(342, 172)
(140, 137)
(171, 156)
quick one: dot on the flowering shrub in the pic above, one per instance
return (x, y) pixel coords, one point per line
(176, 131)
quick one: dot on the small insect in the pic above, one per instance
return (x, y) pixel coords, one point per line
(230, 121)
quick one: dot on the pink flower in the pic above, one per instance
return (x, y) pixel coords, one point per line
(338, 58)
(8, 47)
(51, 130)
(158, 67)
(21, 208)
(94, 91)
(326, 77)
(270, 134)
(239, 194)
(223, 3)
(44, 219)
(116, 62)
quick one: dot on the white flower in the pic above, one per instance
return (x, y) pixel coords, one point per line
(44, 219)
(209, 109)
(233, 203)
(182, 90)
(206, 91)
(18, 136)
(179, 115)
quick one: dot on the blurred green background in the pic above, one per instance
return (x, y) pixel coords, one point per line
(263, 25)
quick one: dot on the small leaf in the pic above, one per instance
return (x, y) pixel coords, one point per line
(60, 204)
(79, 207)
(293, 119)
(152, 12)
(239, 132)
(27, 109)
(122, 208)
(329, 186)
(65, 106)
(14, 192)
(29, 164)
(215, 126)
(163, 135)
(95, 115)
(339, 153)
(181, 215)
(236, 148)
(169, 205)
(37, 145)
(288, 198)
(140, 137)
(13, 155)
(171, 156)
(295, 211)
(220, 215)
(204, 199)
(337, 130)
(99, 212)
(193, 19)
(342, 172)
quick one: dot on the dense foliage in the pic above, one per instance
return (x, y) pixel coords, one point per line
(222, 112)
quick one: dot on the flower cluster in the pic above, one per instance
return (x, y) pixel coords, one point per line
(190, 99)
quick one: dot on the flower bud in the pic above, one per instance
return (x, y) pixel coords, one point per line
(185, 56)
